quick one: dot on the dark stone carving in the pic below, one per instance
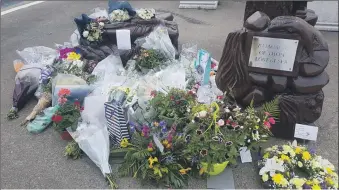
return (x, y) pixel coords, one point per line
(310, 84)
(279, 83)
(275, 8)
(301, 97)
(257, 22)
(259, 79)
(297, 109)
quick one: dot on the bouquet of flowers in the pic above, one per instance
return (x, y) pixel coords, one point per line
(68, 114)
(149, 59)
(173, 107)
(145, 14)
(155, 153)
(217, 133)
(93, 31)
(119, 15)
(281, 165)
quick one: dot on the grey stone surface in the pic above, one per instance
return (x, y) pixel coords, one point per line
(257, 94)
(308, 66)
(225, 180)
(37, 161)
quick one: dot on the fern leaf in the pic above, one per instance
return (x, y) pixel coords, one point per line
(271, 107)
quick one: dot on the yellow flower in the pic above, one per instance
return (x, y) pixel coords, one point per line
(264, 177)
(285, 158)
(297, 182)
(278, 178)
(256, 127)
(73, 56)
(266, 155)
(297, 150)
(169, 145)
(150, 149)
(329, 170)
(184, 171)
(152, 161)
(300, 164)
(124, 143)
(156, 124)
(165, 142)
(202, 170)
(306, 155)
(329, 181)
(316, 187)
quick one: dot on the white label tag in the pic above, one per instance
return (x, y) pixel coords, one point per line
(158, 143)
(306, 132)
(245, 155)
(123, 39)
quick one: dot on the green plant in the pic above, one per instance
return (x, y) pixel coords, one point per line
(72, 150)
(149, 59)
(155, 158)
(173, 107)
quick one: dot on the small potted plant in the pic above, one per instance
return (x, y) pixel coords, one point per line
(67, 115)
(148, 59)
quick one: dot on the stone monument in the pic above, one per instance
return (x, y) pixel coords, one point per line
(283, 56)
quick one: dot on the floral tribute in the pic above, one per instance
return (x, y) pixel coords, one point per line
(68, 113)
(216, 134)
(294, 166)
(155, 153)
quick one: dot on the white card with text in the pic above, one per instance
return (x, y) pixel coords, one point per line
(306, 132)
(245, 155)
(123, 39)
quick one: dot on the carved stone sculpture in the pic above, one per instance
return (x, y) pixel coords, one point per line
(301, 97)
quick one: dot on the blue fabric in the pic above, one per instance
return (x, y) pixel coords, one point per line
(114, 5)
(82, 22)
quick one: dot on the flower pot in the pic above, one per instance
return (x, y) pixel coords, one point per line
(217, 167)
(65, 136)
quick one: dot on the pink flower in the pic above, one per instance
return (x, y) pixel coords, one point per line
(234, 124)
(228, 122)
(271, 120)
(219, 97)
(213, 65)
(267, 114)
(62, 100)
(267, 124)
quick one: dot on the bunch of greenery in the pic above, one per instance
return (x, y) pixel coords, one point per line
(68, 113)
(155, 154)
(72, 150)
(93, 31)
(173, 107)
(149, 59)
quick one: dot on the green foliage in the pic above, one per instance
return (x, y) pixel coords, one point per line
(271, 107)
(72, 150)
(173, 107)
(149, 59)
(70, 114)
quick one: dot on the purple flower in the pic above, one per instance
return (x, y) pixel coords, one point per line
(162, 123)
(292, 174)
(323, 185)
(312, 151)
(179, 134)
(132, 129)
(305, 186)
(280, 148)
(164, 129)
(145, 130)
(63, 52)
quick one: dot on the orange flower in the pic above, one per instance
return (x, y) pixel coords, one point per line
(64, 92)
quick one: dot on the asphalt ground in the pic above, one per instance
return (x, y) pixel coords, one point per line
(37, 161)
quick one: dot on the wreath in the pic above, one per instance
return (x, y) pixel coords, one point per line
(296, 167)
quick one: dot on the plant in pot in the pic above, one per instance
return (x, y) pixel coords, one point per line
(149, 59)
(67, 115)
(173, 107)
(155, 154)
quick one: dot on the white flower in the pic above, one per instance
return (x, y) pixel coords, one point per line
(227, 110)
(221, 122)
(241, 127)
(258, 120)
(101, 24)
(85, 34)
(230, 118)
(78, 63)
(236, 109)
(272, 165)
(202, 114)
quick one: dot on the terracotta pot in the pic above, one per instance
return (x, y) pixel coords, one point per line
(66, 136)
(217, 167)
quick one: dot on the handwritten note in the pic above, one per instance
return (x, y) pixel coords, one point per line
(245, 155)
(306, 132)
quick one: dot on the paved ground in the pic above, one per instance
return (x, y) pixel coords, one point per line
(36, 161)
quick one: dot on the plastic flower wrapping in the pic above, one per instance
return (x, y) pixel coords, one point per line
(155, 153)
(295, 166)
